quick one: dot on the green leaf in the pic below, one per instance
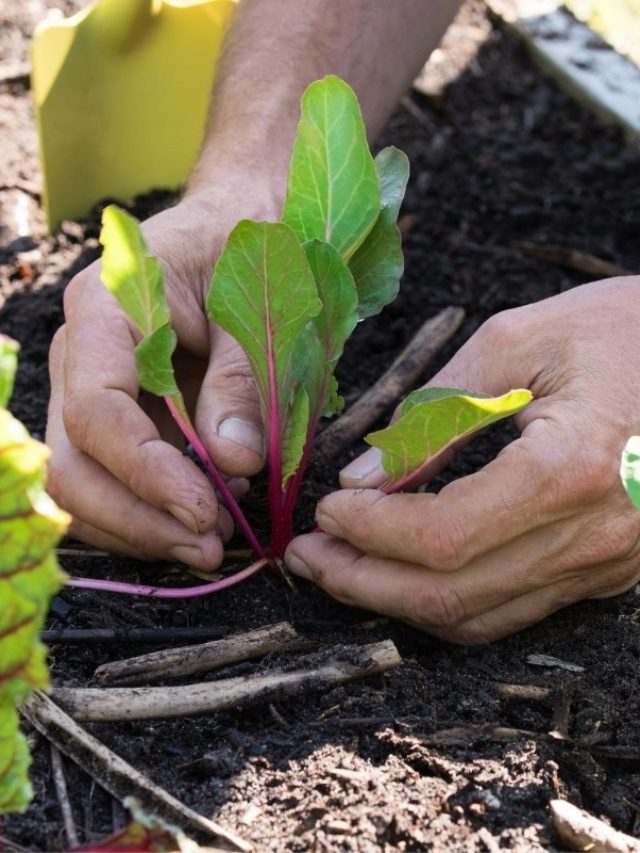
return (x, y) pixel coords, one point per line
(30, 526)
(295, 434)
(333, 192)
(432, 420)
(323, 341)
(378, 264)
(153, 362)
(8, 366)
(135, 278)
(392, 168)
(130, 273)
(263, 293)
(630, 469)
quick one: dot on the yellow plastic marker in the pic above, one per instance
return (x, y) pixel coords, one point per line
(121, 94)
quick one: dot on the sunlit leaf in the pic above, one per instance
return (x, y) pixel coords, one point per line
(135, 278)
(263, 293)
(333, 192)
(378, 264)
(433, 419)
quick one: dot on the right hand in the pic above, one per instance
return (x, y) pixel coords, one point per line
(128, 489)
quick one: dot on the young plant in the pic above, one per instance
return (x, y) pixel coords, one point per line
(291, 293)
(30, 527)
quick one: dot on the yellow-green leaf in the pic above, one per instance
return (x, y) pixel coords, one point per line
(431, 420)
(333, 193)
(30, 526)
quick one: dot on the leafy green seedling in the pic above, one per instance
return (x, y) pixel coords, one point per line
(291, 293)
(433, 419)
(30, 527)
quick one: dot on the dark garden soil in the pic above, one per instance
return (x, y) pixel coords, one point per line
(498, 156)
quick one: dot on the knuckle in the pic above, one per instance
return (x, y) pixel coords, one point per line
(616, 540)
(592, 476)
(76, 415)
(57, 348)
(444, 543)
(74, 291)
(498, 330)
(436, 605)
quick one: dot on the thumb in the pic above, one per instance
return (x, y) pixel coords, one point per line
(228, 416)
(497, 358)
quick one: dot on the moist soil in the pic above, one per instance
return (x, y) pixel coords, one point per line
(499, 155)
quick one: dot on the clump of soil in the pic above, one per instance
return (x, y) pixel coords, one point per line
(498, 156)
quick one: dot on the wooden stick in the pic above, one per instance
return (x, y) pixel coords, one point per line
(523, 692)
(115, 775)
(60, 784)
(86, 636)
(144, 703)
(581, 831)
(564, 256)
(393, 384)
(205, 657)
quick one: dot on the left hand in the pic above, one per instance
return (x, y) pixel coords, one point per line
(545, 524)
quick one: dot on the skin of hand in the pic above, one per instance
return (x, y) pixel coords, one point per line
(112, 467)
(116, 462)
(545, 524)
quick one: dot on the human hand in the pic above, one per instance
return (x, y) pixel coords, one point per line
(116, 465)
(545, 524)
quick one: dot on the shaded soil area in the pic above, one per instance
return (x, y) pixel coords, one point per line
(499, 155)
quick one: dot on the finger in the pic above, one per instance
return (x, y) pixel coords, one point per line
(103, 419)
(93, 496)
(228, 417)
(145, 531)
(542, 477)
(576, 552)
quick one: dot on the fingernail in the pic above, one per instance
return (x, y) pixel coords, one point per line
(241, 432)
(297, 566)
(187, 554)
(184, 516)
(365, 465)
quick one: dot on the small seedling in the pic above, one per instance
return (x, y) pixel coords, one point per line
(291, 293)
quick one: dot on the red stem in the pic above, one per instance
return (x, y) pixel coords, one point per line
(216, 477)
(168, 592)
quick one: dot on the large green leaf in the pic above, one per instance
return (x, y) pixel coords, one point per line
(135, 278)
(431, 420)
(333, 192)
(263, 293)
(630, 469)
(30, 526)
(378, 264)
(325, 336)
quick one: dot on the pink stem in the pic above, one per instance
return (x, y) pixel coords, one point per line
(168, 592)
(218, 480)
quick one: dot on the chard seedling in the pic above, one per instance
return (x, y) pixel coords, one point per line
(291, 293)
(30, 527)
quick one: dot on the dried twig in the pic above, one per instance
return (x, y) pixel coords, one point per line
(573, 259)
(130, 703)
(523, 692)
(84, 636)
(81, 552)
(393, 384)
(60, 784)
(562, 711)
(205, 657)
(114, 774)
(581, 831)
